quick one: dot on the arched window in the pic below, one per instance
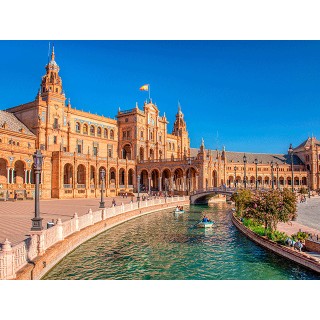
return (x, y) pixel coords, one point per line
(99, 131)
(85, 129)
(111, 134)
(92, 130)
(105, 133)
(78, 127)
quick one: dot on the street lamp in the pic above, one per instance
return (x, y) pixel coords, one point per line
(277, 165)
(290, 151)
(235, 176)
(245, 178)
(256, 163)
(37, 221)
(102, 177)
(138, 197)
(272, 182)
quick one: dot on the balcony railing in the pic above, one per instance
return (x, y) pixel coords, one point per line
(81, 186)
(67, 186)
(168, 160)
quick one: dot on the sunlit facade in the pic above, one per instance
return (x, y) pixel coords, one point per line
(137, 146)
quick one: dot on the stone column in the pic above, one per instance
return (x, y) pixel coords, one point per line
(197, 182)
(25, 175)
(90, 216)
(76, 222)
(149, 183)
(8, 175)
(104, 214)
(126, 178)
(184, 183)
(12, 175)
(171, 187)
(59, 230)
(7, 261)
(160, 187)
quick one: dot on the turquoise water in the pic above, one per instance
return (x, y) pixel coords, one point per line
(164, 245)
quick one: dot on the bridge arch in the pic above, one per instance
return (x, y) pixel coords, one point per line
(202, 197)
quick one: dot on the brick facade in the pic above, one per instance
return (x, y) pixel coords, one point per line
(136, 146)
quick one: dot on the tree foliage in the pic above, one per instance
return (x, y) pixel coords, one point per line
(266, 207)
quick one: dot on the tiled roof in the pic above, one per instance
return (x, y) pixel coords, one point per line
(237, 157)
(13, 124)
(307, 144)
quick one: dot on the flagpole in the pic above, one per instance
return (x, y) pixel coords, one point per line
(149, 92)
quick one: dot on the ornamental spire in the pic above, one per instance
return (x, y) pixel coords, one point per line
(52, 53)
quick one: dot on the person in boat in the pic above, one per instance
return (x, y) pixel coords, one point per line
(205, 219)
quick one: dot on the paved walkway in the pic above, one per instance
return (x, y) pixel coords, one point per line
(15, 217)
(308, 219)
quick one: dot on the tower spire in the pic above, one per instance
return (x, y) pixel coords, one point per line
(52, 53)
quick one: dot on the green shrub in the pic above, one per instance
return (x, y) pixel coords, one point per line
(299, 236)
(277, 236)
(258, 230)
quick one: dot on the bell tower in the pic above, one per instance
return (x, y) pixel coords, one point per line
(180, 130)
(52, 126)
(51, 83)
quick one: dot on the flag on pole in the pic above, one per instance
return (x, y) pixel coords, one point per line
(145, 87)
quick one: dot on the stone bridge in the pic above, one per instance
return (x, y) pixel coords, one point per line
(203, 196)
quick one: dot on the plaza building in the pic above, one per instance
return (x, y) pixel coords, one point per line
(135, 149)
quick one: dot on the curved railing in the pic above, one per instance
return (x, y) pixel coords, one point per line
(12, 259)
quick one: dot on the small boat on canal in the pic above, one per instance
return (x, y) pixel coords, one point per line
(206, 224)
(178, 210)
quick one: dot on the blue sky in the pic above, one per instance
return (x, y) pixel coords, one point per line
(252, 96)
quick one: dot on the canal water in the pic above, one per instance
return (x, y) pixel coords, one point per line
(164, 245)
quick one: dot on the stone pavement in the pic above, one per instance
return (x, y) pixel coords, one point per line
(15, 217)
(308, 219)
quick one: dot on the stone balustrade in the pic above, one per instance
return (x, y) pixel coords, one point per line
(12, 259)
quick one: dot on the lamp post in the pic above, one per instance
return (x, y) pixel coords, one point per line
(290, 151)
(37, 221)
(138, 197)
(256, 163)
(102, 177)
(277, 166)
(235, 176)
(245, 175)
(272, 177)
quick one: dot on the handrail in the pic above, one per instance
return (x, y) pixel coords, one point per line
(12, 259)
